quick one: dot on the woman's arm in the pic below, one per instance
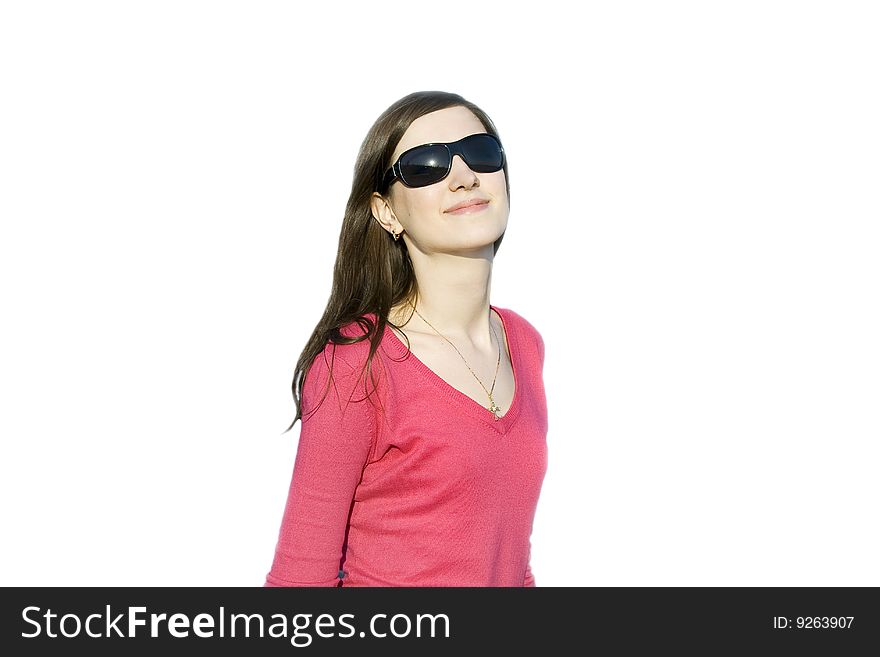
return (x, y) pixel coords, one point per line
(334, 445)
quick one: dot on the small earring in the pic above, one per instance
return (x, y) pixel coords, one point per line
(396, 235)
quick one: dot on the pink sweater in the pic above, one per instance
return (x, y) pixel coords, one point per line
(432, 492)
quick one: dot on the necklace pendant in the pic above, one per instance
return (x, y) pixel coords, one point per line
(495, 409)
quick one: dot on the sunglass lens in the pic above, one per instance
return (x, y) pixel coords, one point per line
(482, 153)
(425, 165)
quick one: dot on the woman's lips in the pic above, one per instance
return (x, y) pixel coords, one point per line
(469, 209)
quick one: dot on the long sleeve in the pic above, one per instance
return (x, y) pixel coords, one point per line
(334, 446)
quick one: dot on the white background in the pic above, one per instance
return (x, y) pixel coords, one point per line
(693, 230)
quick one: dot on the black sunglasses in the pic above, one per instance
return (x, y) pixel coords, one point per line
(430, 163)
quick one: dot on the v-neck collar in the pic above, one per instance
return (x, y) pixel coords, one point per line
(468, 405)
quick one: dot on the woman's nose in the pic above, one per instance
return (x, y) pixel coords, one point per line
(462, 174)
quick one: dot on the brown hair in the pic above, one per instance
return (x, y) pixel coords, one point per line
(373, 272)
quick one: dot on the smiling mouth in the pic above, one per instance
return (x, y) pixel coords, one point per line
(473, 207)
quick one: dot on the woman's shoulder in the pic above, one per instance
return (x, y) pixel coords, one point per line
(356, 353)
(523, 326)
(344, 363)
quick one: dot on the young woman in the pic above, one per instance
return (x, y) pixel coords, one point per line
(423, 441)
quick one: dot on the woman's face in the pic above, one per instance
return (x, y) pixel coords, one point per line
(423, 213)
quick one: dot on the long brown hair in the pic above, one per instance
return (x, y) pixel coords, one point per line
(373, 272)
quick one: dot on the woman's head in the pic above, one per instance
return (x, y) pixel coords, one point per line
(373, 271)
(422, 208)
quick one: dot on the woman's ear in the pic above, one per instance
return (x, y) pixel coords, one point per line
(383, 213)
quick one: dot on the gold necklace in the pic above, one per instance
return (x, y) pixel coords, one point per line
(493, 407)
